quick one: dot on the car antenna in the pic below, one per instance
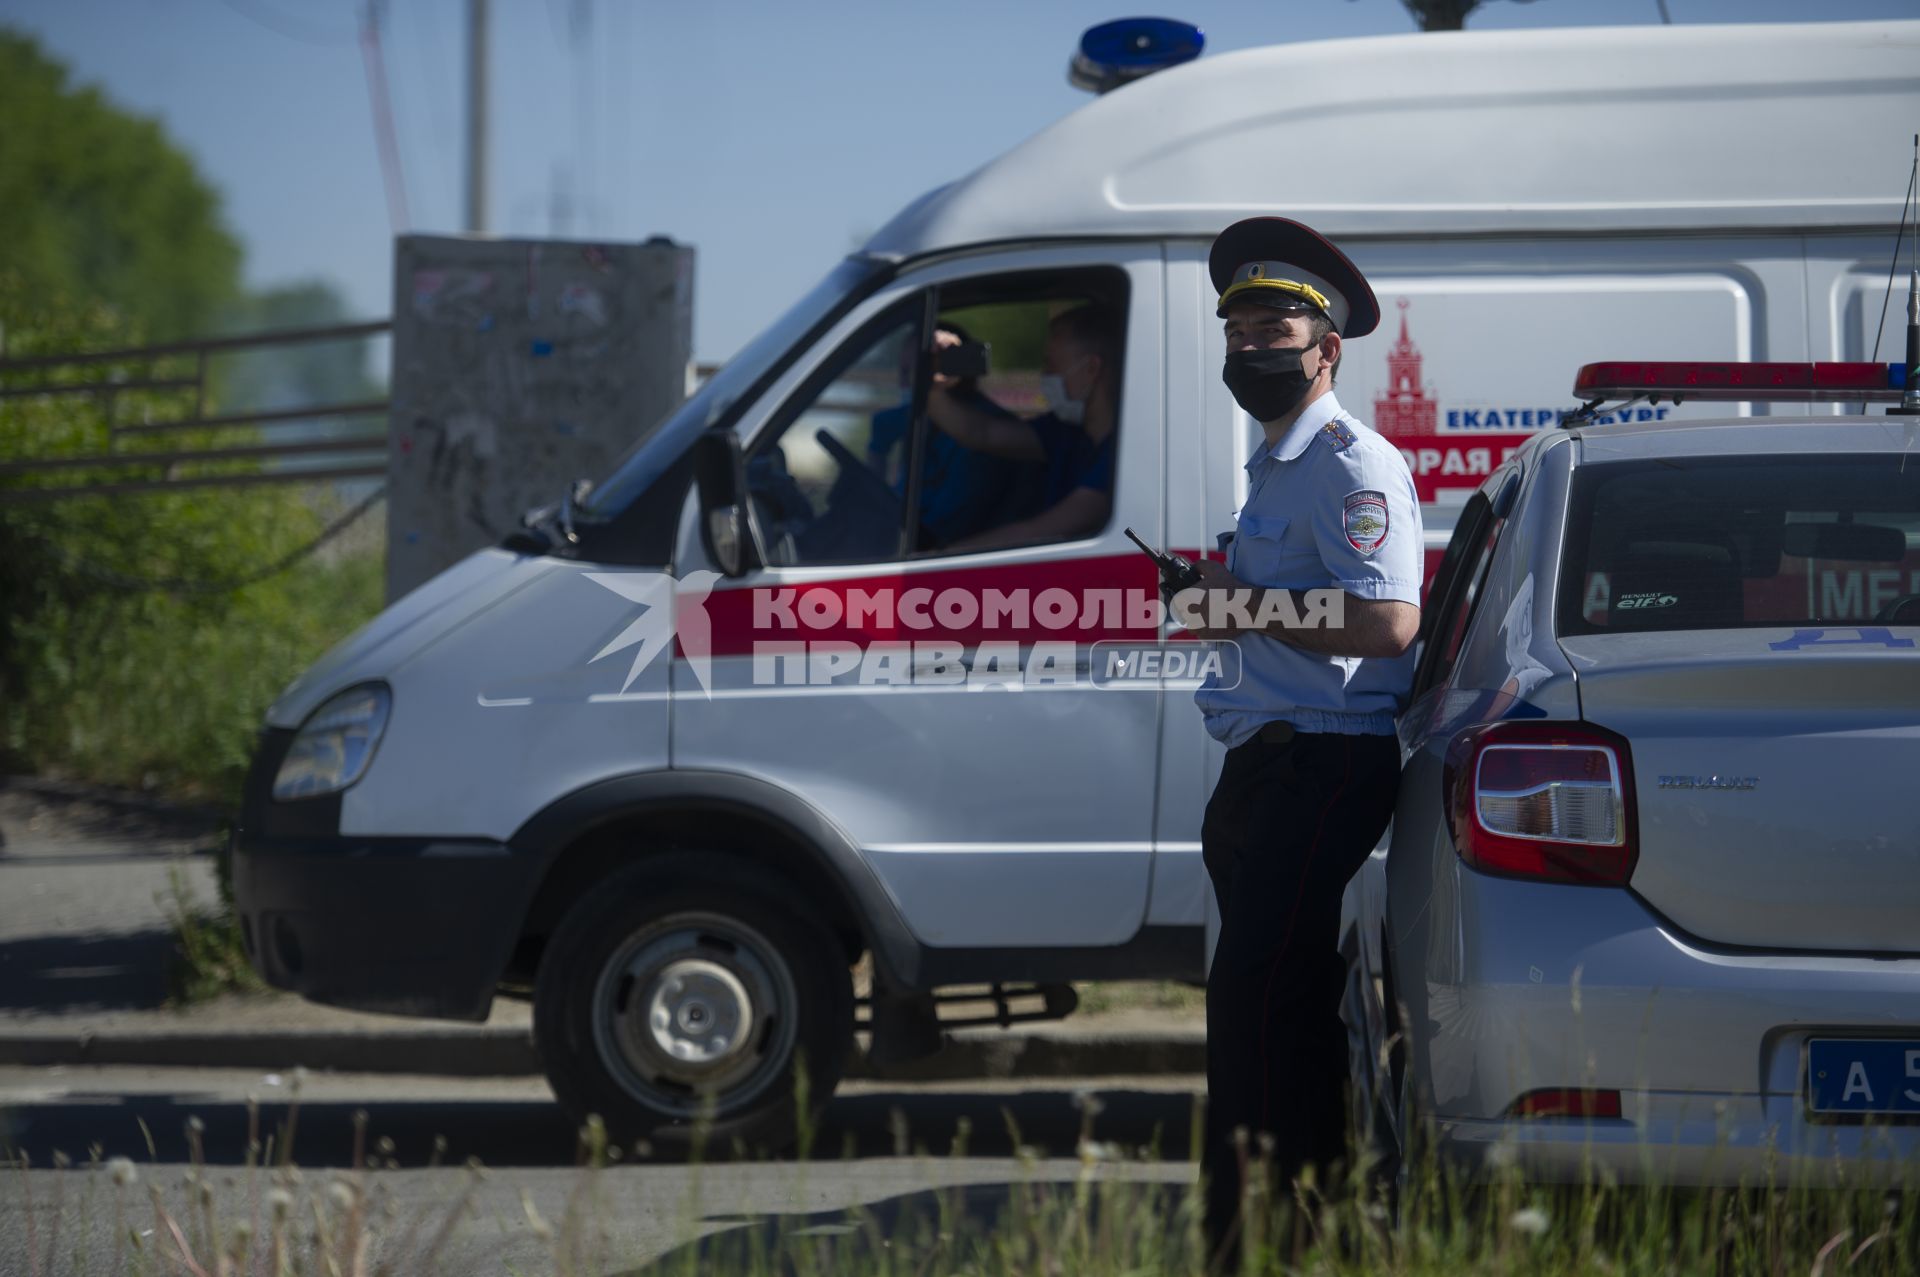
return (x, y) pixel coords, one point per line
(1909, 405)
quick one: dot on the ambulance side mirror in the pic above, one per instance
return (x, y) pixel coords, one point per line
(720, 472)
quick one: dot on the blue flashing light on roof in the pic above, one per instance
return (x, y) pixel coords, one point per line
(1122, 51)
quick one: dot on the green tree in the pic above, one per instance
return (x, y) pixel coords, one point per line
(326, 372)
(97, 203)
(141, 637)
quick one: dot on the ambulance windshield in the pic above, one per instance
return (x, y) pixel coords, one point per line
(735, 384)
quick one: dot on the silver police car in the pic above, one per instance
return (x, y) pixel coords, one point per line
(1652, 896)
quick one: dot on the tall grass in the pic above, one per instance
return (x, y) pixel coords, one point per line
(1103, 1220)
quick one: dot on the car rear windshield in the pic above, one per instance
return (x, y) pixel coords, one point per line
(1711, 543)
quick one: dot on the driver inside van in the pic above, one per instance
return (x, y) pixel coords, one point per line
(961, 491)
(1074, 438)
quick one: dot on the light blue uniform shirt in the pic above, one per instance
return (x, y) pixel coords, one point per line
(1330, 505)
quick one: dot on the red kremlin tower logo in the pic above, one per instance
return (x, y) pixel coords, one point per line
(1406, 407)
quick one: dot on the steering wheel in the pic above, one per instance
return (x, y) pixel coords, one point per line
(872, 486)
(1892, 610)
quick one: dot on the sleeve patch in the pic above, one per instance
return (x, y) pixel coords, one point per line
(1365, 519)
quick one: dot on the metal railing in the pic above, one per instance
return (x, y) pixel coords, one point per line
(53, 375)
(342, 457)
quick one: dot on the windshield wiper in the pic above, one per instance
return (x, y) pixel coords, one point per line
(547, 528)
(576, 492)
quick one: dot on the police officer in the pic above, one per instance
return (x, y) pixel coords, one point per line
(1312, 762)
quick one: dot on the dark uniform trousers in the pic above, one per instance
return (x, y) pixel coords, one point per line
(1293, 817)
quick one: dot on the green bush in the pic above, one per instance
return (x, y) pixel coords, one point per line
(123, 660)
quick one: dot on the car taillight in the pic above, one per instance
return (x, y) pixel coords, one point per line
(1545, 800)
(1566, 1102)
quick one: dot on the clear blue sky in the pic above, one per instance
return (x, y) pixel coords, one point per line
(772, 136)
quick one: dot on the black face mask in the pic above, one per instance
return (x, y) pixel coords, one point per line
(1269, 384)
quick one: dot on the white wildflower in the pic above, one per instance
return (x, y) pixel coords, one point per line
(121, 1170)
(280, 1201)
(1532, 1221)
(342, 1194)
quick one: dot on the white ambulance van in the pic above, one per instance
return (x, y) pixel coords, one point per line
(677, 755)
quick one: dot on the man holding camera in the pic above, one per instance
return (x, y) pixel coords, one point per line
(962, 491)
(1074, 437)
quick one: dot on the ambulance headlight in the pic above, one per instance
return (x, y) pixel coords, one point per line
(333, 747)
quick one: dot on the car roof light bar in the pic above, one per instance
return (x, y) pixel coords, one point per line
(1740, 382)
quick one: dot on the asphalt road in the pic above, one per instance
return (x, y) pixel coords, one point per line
(883, 1147)
(84, 892)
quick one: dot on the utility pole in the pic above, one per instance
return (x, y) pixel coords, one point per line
(476, 117)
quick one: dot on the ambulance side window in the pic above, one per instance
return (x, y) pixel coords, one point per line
(816, 493)
(1043, 468)
(834, 476)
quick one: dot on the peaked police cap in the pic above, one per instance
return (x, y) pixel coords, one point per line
(1278, 262)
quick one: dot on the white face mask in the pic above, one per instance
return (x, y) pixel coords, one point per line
(1062, 405)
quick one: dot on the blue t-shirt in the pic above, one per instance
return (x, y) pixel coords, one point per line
(959, 488)
(1074, 460)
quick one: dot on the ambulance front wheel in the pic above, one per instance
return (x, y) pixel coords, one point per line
(681, 1000)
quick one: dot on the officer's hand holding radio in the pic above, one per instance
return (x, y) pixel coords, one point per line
(1176, 572)
(1214, 581)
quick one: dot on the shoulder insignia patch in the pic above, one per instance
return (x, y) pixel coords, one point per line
(1365, 519)
(1337, 435)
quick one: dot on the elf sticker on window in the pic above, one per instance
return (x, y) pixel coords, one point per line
(1645, 599)
(1366, 520)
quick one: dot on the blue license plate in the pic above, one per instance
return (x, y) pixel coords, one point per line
(1863, 1075)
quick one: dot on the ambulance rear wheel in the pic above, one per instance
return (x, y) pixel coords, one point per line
(691, 990)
